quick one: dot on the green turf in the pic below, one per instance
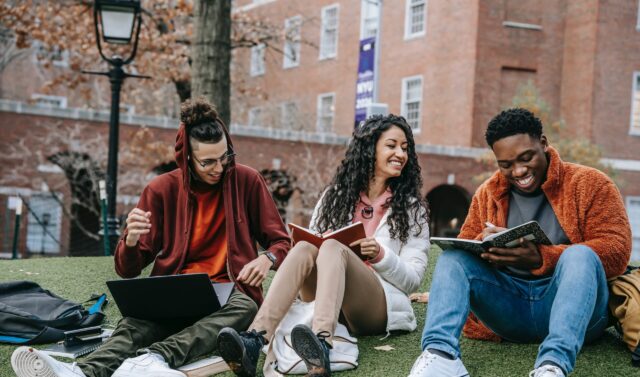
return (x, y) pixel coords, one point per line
(78, 278)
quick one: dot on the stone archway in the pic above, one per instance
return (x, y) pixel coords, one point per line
(448, 206)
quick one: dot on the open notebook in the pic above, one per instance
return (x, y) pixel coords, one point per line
(508, 238)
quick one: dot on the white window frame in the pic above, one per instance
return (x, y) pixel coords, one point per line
(403, 104)
(635, 237)
(62, 62)
(257, 61)
(363, 17)
(39, 240)
(292, 60)
(408, 18)
(638, 18)
(285, 114)
(45, 97)
(254, 117)
(320, 115)
(635, 104)
(324, 31)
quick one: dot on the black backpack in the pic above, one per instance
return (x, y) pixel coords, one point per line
(30, 314)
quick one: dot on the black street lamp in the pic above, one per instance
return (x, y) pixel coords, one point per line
(117, 21)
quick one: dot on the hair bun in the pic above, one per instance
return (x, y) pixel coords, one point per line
(196, 111)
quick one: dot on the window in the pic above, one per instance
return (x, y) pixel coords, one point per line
(326, 112)
(635, 105)
(415, 18)
(369, 20)
(292, 27)
(257, 60)
(638, 22)
(53, 54)
(329, 32)
(412, 101)
(633, 211)
(44, 226)
(289, 116)
(42, 100)
(255, 117)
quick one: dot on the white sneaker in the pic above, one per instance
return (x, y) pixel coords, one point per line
(29, 362)
(149, 364)
(431, 365)
(547, 371)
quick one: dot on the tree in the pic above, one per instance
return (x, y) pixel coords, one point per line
(165, 50)
(211, 53)
(572, 148)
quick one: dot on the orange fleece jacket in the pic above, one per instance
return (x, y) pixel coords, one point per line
(588, 206)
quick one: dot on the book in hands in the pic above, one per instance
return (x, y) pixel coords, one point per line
(530, 231)
(345, 236)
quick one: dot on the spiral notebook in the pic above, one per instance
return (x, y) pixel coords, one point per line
(76, 350)
(72, 352)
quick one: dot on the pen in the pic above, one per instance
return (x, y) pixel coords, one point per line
(489, 225)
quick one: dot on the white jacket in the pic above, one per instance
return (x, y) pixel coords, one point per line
(400, 271)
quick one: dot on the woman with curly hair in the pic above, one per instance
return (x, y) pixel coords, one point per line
(378, 183)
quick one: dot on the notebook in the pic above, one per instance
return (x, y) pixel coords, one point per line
(72, 352)
(530, 231)
(81, 345)
(346, 235)
(185, 296)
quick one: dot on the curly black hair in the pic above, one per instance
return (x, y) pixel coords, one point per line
(201, 120)
(512, 122)
(355, 172)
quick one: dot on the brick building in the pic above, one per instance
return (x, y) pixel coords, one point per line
(448, 66)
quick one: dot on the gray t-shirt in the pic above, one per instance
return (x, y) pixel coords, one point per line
(534, 207)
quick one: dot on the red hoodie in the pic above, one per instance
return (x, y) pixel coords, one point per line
(251, 217)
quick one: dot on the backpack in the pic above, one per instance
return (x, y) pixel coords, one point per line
(624, 305)
(30, 314)
(282, 360)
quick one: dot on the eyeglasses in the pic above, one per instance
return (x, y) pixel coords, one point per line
(213, 162)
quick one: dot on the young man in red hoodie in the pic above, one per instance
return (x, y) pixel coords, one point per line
(204, 217)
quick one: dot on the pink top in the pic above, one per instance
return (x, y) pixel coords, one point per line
(371, 224)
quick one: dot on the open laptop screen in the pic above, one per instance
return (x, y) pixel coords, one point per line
(169, 297)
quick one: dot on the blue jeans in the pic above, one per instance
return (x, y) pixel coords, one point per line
(562, 311)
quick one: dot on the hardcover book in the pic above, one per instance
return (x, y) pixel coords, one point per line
(345, 236)
(205, 367)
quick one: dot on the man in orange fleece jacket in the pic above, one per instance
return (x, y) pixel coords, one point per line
(554, 294)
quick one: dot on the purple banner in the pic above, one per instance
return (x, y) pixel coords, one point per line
(365, 82)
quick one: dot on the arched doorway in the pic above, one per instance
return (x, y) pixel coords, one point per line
(448, 205)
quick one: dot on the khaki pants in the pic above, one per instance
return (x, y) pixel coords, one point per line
(337, 280)
(177, 341)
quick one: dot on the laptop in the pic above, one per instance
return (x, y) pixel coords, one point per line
(185, 296)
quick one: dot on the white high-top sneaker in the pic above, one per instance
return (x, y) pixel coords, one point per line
(431, 365)
(29, 362)
(547, 371)
(146, 365)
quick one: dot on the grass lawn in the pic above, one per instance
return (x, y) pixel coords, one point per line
(78, 278)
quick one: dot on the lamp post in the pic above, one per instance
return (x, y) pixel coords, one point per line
(118, 22)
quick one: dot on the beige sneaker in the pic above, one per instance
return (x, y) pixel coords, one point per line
(29, 362)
